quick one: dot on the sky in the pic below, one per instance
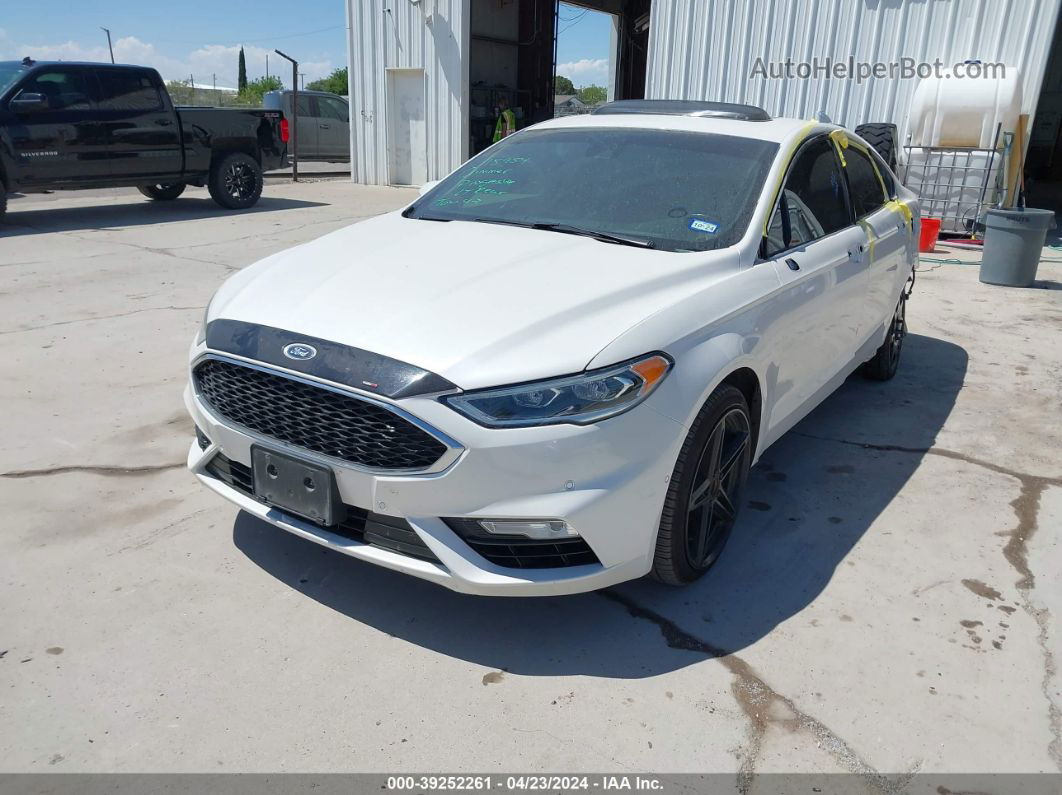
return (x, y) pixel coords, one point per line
(582, 45)
(203, 37)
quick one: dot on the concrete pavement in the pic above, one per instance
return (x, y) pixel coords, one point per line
(886, 605)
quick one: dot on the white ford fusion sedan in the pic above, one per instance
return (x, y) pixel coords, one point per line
(553, 370)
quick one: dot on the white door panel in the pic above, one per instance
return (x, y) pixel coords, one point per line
(887, 253)
(406, 130)
(820, 306)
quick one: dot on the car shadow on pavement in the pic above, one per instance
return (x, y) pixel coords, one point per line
(44, 219)
(812, 497)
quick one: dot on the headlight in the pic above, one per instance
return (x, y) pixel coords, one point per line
(579, 399)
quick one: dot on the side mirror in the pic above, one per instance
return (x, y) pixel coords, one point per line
(427, 186)
(27, 101)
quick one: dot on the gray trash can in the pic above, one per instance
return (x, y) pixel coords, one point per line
(1014, 240)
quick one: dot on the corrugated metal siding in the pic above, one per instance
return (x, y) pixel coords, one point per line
(706, 49)
(430, 35)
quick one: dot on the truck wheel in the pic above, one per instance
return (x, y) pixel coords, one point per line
(887, 358)
(236, 181)
(162, 193)
(704, 495)
(882, 137)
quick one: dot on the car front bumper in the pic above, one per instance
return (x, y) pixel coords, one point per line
(606, 480)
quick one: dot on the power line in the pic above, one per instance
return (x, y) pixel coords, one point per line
(573, 22)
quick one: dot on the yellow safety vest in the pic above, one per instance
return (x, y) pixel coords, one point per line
(506, 125)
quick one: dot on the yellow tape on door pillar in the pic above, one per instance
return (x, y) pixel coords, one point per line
(797, 141)
(841, 140)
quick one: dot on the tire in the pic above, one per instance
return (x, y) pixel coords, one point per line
(887, 358)
(714, 460)
(162, 193)
(882, 137)
(235, 181)
(3, 203)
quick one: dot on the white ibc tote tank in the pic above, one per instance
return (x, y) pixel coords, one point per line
(951, 129)
(962, 112)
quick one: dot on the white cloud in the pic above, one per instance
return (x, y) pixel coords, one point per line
(585, 71)
(206, 63)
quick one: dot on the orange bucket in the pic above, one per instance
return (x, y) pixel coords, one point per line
(927, 240)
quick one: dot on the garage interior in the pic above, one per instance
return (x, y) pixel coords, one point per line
(512, 53)
(1043, 164)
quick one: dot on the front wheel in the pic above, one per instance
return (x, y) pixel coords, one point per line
(236, 181)
(162, 193)
(887, 358)
(704, 496)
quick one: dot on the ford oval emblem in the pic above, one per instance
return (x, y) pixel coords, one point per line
(300, 351)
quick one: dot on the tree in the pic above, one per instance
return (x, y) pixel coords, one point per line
(335, 83)
(241, 83)
(592, 95)
(180, 92)
(562, 85)
(253, 91)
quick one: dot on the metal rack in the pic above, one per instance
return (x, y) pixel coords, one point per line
(957, 185)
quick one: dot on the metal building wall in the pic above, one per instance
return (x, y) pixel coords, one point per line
(706, 49)
(430, 35)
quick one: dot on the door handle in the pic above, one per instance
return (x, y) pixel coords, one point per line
(792, 263)
(324, 127)
(163, 122)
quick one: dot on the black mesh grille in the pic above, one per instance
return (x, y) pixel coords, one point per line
(316, 419)
(515, 552)
(386, 532)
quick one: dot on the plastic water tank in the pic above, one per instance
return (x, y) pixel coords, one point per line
(960, 112)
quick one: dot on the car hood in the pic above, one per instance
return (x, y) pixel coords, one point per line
(479, 304)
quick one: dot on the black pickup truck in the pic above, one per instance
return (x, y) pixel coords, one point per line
(65, 126)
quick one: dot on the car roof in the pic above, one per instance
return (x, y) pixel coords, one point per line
(775, 130)
(35, 64)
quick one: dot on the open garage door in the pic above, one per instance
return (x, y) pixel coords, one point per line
(512, 59)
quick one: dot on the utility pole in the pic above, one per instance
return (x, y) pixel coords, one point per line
(294, 115)
(109, 47)
(267, 66)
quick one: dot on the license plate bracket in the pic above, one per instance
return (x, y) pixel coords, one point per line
(295, 485)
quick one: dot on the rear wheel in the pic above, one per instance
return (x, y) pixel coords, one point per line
(882, 137)
(3, 203)
(161, 193)
(704, 496)
(236, 181)
(887, 358)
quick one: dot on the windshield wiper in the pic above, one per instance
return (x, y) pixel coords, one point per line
(604, 237)
(568, 229)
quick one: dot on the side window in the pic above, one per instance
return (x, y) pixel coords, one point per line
(306, 106)
(867, 194)
(886, 175)
(63, 90)
(812, 203)
(128, 89)
(333, 109)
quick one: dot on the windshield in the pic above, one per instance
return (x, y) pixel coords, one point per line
(10, 71)
(680, 191)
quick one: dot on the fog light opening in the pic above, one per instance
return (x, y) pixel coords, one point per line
(540, 529)
(201, 438)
